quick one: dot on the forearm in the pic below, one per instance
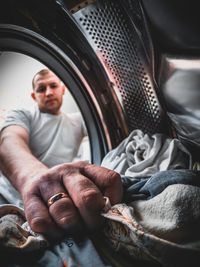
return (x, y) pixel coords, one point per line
(17, 162)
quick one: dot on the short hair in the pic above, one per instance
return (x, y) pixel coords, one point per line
(42, 72)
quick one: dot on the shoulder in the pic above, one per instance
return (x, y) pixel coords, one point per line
(20, 117)
(23, 114)
(20, 112)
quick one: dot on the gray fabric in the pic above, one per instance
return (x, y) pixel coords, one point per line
(75, 254)
(173, 215)
(141, 155)
(8, 194)
(54, 139)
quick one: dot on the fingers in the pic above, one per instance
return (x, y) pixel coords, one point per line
(39, 218)
(84, 184)
(109, 181)
(86, 197)
(52, 221)
(62, 209)
(65, 215)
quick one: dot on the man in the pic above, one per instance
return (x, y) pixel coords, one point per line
(36, 149)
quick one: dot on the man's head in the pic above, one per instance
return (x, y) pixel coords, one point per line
(48, 91)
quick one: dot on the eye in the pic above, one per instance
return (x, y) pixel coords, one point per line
(41, 89)
(54, 85)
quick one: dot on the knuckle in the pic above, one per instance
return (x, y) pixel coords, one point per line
(63, 222)
(89, 197)
(38, 224)
(46, 181)
(82, 164)
(67, 221)
(69, 169)
(114, 177)
(64, 213)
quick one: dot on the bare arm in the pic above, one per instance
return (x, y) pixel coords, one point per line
(16, 160)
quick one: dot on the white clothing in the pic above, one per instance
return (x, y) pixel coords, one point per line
(54, 139)
(142, 155)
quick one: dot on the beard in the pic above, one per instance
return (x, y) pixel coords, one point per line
(51, 107)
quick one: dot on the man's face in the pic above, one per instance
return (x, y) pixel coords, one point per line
(48, 93)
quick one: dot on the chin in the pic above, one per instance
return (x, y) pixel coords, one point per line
(53, 111)
(53, 108)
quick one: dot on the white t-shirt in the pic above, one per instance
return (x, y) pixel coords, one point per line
(54, 139)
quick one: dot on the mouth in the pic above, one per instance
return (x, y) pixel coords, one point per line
(51, 101)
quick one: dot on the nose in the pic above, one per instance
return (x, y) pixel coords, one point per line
(49, 91)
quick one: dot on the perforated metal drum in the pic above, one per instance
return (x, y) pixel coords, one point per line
(118, 40)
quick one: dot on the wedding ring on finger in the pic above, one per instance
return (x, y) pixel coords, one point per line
(56, 197)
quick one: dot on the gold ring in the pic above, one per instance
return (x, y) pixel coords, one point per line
(56, 197)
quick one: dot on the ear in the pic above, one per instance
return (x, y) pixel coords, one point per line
(33, 96)
(63, 89)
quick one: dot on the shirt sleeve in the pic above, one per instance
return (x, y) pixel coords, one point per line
(18, 117)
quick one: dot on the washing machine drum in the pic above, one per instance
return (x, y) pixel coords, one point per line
(108, 55)
(128, 65)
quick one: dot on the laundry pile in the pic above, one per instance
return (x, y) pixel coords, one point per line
(158, 220)
(160, 217)
(142, 155)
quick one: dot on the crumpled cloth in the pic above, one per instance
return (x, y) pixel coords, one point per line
(164, 229)
(142, 155)
(149, 187)
(15, 232)
(162, 223)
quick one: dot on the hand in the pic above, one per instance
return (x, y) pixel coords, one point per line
(84, 183)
